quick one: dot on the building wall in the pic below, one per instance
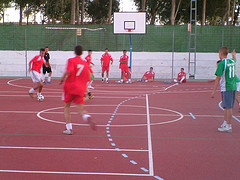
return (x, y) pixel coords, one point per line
(13, 63)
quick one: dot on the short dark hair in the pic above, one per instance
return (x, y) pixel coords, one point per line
(78, 50)
(224, 50)
(89, 50)
(182, 69)
(106, 49)
(46, 46)
(42, 49)
(151, 67)
(124, 50)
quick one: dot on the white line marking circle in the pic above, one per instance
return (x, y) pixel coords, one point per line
(130, 125)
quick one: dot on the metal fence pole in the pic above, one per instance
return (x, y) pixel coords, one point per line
(173, 53)
(26, 51)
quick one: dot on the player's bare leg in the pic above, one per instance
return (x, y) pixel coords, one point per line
(144, 79)
(107, 74)
(103, 76)
(86, 117)
(67, 115)
(39, 86)
(49, 77)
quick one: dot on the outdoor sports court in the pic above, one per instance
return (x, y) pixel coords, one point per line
(145, 131)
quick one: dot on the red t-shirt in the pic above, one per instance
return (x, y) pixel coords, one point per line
(37, 63)
(88, 59)
(123, 58)
(76, 82)
(106, 58)
(180, 75)
(149, 75)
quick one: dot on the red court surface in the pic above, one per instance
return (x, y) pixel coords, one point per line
(145, 131)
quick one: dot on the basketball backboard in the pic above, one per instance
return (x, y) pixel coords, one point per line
(129, 23)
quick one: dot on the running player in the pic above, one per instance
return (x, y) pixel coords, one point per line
(105, 63)
(181, 78)
(35, 66)
(88, 59)
(76, 78)
(225, 75)
(148, 76)
(47, 68)
(124, 67)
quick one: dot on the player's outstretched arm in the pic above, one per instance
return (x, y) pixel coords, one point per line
(234, 55)
(217, 80)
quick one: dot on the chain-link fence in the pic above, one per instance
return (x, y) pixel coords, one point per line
(98, 37)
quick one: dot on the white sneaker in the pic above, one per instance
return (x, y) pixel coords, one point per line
(119, 82)
(225, 129)
(223, 124)
(90, 87)
(107, 81)
(68, 132)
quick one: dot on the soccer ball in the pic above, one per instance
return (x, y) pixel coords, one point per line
(40, 98)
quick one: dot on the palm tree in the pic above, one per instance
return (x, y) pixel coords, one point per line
(82, 12)
(204, 12)
(73, 10)
(110, 12)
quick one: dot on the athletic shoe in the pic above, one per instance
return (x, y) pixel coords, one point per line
(107, 81)
(91, 123)
(90, 97)
(30, 94)
(223, 124)
(90, 87)
(129, 82)
(102, 80)
(225, 129)
(49, 82)
(68, 132)
(44, 82)
(119, 82)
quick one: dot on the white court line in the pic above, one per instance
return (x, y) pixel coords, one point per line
(150, 153)
(71, 173)
(191, 114)
(119, 114)
(72, 149)
(171, 86)
(234, 117)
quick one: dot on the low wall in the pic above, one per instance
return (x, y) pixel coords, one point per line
(13, 63)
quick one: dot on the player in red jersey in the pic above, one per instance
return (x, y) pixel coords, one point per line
(181, 78)
(105, 63)
(88, 59)
(76, 78)
(35, 66)
(124, 67)
(148, 76)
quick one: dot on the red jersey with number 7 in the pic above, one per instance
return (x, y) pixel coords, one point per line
(76, 82)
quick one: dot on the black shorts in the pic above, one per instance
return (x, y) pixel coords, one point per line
(46, 69)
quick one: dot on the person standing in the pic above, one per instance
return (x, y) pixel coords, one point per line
(124, 67)
(226, 77)
(75, 81)
(105, 63)
(47, 68)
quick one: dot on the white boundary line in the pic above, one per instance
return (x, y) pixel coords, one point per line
(72, 149)
(234, 117)
(150, 153)
(71, 173)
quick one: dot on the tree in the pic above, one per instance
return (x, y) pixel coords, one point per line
(82, 11)
(174, 12)
(21, 4)
(110, 12)
(98, 11)
(4, 4)
(73, 12)
(204, 12)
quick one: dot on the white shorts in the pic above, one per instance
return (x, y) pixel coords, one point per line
(238, 86)
(36, 76)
